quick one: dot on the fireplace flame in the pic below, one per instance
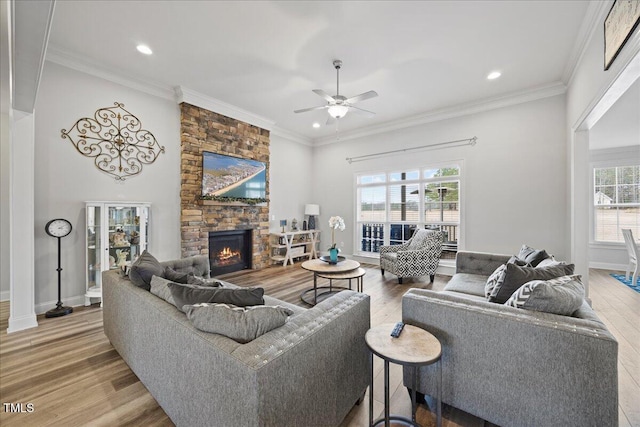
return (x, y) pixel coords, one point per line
(228, 256)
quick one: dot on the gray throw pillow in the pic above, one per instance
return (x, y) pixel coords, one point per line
(143, 269)
(238, 323)
(497, 277)
(516, 276)
(160, 288)
(192, 294)
(562, 295)
(532, 256)
(201, 281)
(175, 276)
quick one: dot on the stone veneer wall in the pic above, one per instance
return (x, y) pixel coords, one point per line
(203, 130)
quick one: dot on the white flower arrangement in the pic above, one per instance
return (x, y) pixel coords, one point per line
(336, 223)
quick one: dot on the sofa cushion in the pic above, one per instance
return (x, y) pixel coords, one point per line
(192, 294)
(143, 269)
(532, 256)
(472, 284)
(238, 323)
(562, 295)
(516, 276)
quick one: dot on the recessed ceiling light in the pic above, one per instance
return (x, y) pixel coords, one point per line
(144, 49)
(316, 125)
(494, 75)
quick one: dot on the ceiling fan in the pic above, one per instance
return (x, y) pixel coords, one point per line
(338, 106)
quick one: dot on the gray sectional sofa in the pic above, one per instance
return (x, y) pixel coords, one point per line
(510, 366)
(310, 372)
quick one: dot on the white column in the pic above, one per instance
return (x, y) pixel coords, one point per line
(579, 208)
(21, 235)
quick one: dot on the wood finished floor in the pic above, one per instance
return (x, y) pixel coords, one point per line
(71, 374)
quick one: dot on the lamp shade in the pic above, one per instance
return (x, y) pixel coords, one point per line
(312, 209)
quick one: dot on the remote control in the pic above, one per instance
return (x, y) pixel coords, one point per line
(397, 330)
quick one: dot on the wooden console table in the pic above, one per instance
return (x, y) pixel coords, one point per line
(287, 246)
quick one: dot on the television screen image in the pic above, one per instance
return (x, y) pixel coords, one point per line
(227, 176)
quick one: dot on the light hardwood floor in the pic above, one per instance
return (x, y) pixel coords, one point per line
(71, 374)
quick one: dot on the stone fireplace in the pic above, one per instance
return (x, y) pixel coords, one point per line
(203, 130)
(230, 251)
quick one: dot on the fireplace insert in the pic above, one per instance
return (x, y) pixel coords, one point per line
(230, 250)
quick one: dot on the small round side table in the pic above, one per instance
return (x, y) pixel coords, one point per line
(415, 347)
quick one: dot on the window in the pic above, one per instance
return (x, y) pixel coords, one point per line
(391, 205)
(616, 202)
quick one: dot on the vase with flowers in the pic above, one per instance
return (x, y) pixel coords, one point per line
(336, 223)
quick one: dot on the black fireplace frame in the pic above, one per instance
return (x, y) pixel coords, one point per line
(246, 249)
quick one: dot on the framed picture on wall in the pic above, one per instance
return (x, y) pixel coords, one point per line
(619, 25)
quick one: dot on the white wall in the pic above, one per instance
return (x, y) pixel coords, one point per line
(590, 92)
(290, 178)
(65, 179)
(514, 178)
(4, 206)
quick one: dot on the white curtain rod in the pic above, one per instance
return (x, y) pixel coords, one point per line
(459, 142)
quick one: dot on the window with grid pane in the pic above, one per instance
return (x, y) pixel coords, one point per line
(391, 205)
(616, 200)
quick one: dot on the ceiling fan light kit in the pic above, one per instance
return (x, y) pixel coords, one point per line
(338, 106)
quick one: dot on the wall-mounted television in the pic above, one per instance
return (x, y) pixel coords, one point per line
(228, 177)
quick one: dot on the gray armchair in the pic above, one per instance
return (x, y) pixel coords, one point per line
(418, 256)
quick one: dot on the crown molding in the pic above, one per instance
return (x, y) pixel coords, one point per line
(596, 13)
(192, 97)
(291, 136)
(546, 91)
(75, 62)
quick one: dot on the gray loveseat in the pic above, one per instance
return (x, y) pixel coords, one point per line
(510, 366)
(310, 372)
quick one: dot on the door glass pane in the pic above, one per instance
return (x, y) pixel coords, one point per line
(124, 235)
(94, 231)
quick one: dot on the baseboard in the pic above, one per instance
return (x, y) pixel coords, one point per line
(608, 266)
(22, 323)
(5, 295)
(68, 302)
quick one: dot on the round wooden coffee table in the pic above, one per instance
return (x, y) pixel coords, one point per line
(320, 267)
(415, 347)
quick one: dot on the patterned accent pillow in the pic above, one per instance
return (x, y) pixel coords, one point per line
(242, 324)
(418, 240)
(495, 280)
(562, 295)
(516, 276)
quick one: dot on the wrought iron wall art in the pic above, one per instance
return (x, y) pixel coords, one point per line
(115, 138)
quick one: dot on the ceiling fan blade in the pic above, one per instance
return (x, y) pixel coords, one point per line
(325, 95)
(361, 111)
(304, 110)
(330, 120)
(362, 97)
